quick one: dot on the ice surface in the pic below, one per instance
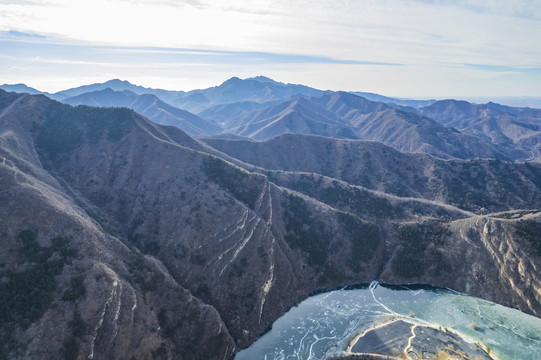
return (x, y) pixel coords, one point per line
(324, 324)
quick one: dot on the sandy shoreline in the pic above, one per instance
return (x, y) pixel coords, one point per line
(373, 327)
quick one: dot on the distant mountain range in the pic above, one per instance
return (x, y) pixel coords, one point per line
(150, 106)
(261, 108)
(343, 115)
(20, 88)
(259, 89)
(516, 129)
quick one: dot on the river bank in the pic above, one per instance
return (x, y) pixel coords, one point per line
(402, 339)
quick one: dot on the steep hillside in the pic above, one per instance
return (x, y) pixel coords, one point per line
(203, 222)
(474, 185)
(343, 115)
(130, 239)
(349, 107)
(69, 287)
(233, 115)
(149, 106)
(517, 130)
(298, 116)
(404, 130)
(407, 131)
(432, 243)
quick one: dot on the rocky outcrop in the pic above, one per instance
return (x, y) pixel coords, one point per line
(482, 256)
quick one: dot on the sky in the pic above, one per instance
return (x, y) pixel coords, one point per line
(403, 48)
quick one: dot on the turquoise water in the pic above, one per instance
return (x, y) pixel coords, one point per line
(323, 324)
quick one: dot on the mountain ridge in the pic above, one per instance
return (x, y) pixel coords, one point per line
(513, 128)
(350, 116)
(340, 114)
(175, 97)
(147, 105)
(213, 250)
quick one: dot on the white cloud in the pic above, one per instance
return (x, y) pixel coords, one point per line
(397, 31)
(521, 8)
(430, 36)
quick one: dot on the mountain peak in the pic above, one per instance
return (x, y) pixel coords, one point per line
(260, 79)
(20, 88)
(232, 80)
(263, 79)
(346, 95)
(117, 84)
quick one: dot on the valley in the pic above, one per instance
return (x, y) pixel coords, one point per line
(183, 224)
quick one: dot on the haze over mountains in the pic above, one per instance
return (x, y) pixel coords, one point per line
(514, 128)
(260, 108)
(149, 106)
(134, 239)
(259, 89)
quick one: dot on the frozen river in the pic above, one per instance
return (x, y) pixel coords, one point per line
(323, 324)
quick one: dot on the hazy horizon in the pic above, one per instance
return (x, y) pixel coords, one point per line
(519, 101)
